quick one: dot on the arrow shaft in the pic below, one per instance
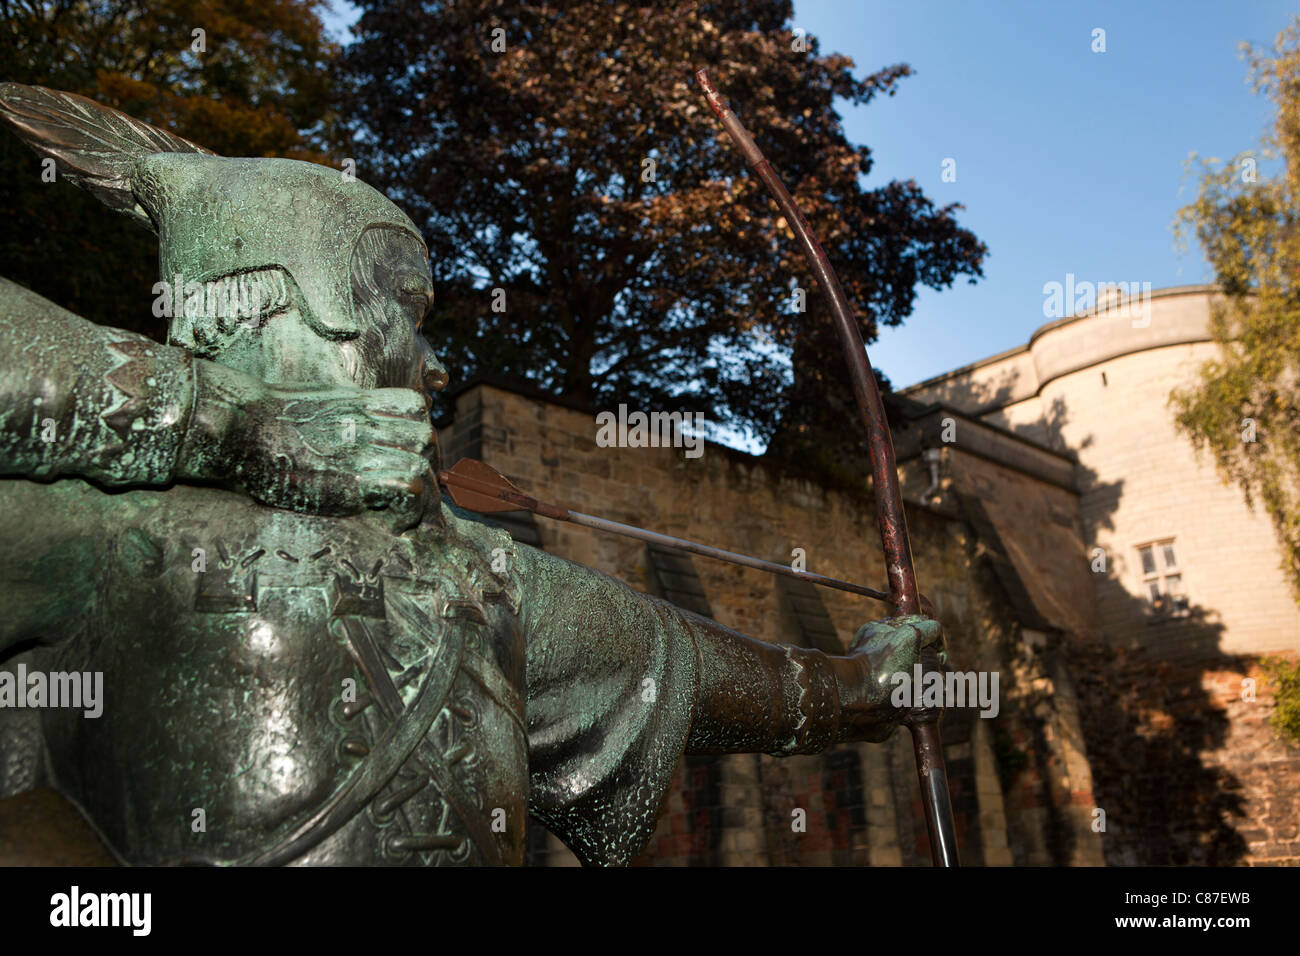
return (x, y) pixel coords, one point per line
(681, 544)
(500, 490)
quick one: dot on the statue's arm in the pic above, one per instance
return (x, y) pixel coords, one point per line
(79, 399)
(780, 699)
(738, 694)
(621, 684)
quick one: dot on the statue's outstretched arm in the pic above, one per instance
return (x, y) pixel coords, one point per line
(621, 684)
(780, 699)
(79, 399)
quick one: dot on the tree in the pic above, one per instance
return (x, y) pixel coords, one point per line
(241, 77)
(1243, 406)
(591, 229)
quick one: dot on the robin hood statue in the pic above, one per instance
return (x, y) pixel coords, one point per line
(301, 643)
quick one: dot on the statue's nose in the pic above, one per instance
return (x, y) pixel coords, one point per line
(432, 372)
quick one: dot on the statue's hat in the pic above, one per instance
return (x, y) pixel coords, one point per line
(215, 216)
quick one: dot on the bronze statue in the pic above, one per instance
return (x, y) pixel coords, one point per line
(307, 655)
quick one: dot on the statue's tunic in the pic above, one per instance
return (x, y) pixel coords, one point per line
(259, 666)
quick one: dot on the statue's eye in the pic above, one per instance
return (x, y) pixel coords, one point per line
(415, 288)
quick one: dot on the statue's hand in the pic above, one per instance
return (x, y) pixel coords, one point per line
(330, 451)
(893, 646)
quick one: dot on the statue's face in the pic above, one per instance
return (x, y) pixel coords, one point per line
(391, 293)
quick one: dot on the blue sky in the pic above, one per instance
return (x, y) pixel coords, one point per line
(1068, 161)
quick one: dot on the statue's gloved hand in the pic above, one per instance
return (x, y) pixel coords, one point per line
(329, 451)
(893, 646)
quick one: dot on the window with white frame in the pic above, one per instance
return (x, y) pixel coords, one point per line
(1162, 576)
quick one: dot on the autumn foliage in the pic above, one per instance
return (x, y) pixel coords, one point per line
(592, 230)
(1244, 409)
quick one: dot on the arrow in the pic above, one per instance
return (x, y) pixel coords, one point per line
(477, 486)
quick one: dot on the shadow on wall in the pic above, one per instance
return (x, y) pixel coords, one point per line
(1150, 722)
(977, 398)
(1149, 718)
(1154, 731)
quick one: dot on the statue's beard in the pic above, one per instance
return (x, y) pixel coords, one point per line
(374, 360)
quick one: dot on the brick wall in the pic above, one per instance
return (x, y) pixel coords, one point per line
(1188, 770)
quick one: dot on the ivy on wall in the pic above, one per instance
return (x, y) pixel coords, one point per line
(1285, 675)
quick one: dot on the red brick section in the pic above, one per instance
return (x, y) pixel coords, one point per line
(1187, 770)
(828, 787)
(1268, 770)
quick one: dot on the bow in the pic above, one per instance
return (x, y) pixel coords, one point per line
(904, 597)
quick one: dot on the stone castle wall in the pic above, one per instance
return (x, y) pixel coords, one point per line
(1021, 784)
(1187, 770)
(1098, 388)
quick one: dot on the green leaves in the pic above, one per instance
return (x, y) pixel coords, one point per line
(1244, 409)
